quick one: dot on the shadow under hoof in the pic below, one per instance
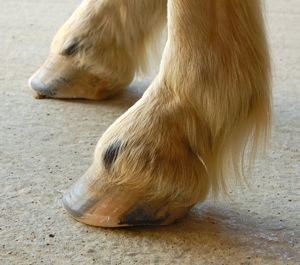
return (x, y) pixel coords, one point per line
(123, 99)
(222, 232)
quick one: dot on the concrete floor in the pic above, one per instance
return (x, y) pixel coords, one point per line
(46, 144)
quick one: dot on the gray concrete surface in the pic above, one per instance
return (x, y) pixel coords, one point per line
(46, 144)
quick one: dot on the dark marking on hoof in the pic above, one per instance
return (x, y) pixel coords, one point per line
(112, 153)
(72, 49)
(143, 215)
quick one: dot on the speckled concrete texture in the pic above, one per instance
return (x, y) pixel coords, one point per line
(47, 144)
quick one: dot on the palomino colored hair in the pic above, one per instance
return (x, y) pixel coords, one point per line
(210, 99)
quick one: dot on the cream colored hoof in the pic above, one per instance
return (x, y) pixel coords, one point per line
(116, 207)
(60, 78)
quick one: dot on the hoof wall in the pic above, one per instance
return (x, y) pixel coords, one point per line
(117, 208)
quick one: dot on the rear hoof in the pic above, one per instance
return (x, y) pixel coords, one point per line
(60, 78)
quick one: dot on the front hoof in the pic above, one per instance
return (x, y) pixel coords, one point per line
(116, 207)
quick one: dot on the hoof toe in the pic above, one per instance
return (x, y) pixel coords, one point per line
(41, 89)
